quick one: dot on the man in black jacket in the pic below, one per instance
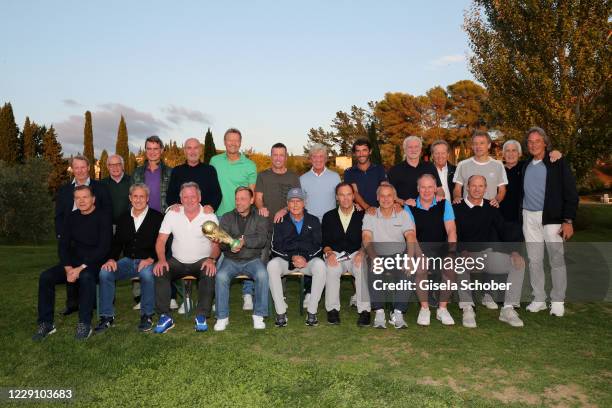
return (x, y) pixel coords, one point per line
(84, 245)
(342, 252)
(296, 245)
(446, 171)
(549, 202)
(135, 238)
(66, 204)
(243, 258)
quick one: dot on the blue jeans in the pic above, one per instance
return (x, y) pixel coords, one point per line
(248, 287)
(228, 270)
(127, 268)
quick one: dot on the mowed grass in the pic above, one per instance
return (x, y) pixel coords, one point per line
(551, 361)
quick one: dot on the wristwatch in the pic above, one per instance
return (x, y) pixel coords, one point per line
(212, 259)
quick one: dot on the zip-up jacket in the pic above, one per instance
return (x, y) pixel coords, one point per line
(286, 242)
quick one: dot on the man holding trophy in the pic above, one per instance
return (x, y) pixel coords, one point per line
(242, 256)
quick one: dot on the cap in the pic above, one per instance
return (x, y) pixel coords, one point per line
(296, 193)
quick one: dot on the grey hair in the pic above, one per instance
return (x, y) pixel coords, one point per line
(540, 131)
(385, 184)
(317, 147)
(190, 184)
(424, 176)
(438, 143)
(116, 155)
(133, 187)
(411, 138)
(512, 142)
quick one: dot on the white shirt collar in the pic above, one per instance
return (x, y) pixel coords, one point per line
(84, 184)
(469, 203)
(481, 163)
(120, 178)
(319, 175)
(142, 214)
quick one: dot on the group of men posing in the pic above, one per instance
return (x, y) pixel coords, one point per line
(148, 226)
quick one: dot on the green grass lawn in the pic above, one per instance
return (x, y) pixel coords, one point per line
(550, 362)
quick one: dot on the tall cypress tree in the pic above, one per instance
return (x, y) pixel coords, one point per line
(9, 135)
(38, 132)
(29, 147)
(397, 157)
(88, 147)
(52, 154)
(209, 146)
(121, 147)
(131, 163)
(102, 164)
(375, 156)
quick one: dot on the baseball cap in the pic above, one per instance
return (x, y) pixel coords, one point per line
(296, 193)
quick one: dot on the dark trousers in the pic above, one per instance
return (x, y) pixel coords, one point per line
(57, 275)
(206, 286)
(72, 295)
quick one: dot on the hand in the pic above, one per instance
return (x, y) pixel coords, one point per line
(299, 261)
(358, 258)
(566, 231)
(494, 203)
(411, 202)
(110, 266)
(330, 259)
(144, 263)
(263, 211)
(358, 207)
(207, 209)
(371, 210)
(554, 156)
(457, 200)
(209, 267)
(280, 214)
(174, 207)
(239, 247)
(517, 261)
(440, 195)
(72, 274)
(159, 268)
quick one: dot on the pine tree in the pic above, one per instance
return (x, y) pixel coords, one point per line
(131, 163)
(121, 148)
(37, 137)
(397, 157)
(9, 135)
(28, 150)
(52, 154)
(209, 147)
(102, 164)
(373, 138)
(88, 147)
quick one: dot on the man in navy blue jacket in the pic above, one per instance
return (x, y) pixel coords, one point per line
(296, 247)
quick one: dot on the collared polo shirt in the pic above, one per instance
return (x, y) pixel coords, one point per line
(189, 243)
(231, 175)
(367, 181)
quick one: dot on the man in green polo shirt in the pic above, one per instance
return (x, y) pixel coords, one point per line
(234, 169)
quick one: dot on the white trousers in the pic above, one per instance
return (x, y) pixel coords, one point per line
(332, 284)
(278, 267)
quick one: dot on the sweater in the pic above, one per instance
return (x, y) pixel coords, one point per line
(136, 244)
(86, 239)
(333, 233)
(204, 175)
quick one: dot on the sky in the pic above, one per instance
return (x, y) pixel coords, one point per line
(273, 69)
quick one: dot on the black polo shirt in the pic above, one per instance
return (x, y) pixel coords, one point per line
(367, 181)
(404, 177)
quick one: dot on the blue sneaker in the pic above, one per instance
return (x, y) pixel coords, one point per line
(200, 323)
(164, 324)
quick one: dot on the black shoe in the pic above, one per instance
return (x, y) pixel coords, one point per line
(105, 323)
(333, 317)
(69, 310)
(83, 331)
(136, 300)
(281, 320)
(146, 323)
(44, 329)
(312, 320)
(364, 319)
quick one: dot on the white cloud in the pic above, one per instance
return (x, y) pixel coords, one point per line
(447, 60)
(177, 114)
(71, 103)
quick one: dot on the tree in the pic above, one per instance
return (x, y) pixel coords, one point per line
(349, 127)
(373, 138)
(102, 163)
(547, 63)
(9, 135)
(436, 117)
(52, 154)
(88, 147)
(121, 147)
(320, 136)
(397, 155)
(131, 164)
(467, 108)
(209, 147)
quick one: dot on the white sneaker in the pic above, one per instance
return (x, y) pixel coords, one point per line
(353, 301)
(444, 316)
(247, 302)
(469, 317)
(510, 316)
(306, 300)
(557, 309)
(397, 319)
(181, 310)
(136, 306)
(424, 317)
(173, 304)
(488, 301)
(221, 324)
(535, 307)
(258, 322)
(379, 319)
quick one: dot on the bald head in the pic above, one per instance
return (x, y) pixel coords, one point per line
(192, 149)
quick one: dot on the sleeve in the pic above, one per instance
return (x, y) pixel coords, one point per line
(252, 174)
(225, 223)
(348, 176)
(105, 226)
(278, 241)
(407, 223)
(64, 242)
(449, 214)
(407, 209)
(570, 194)
(259, 183)
(172, 194)
(297, 182)
(503, 177)
(257, 239)
(367, 223)
(60, 214)
(458, 177)
(383, 175)
(325, 230)
(213, 195)
(117, 244)
(434, 172)
(166, 225)
(315, 245)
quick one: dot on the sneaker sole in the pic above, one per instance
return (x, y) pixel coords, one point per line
(165, 331)
(445, 324)
(491, 306)
(469, 326)
(501, 319)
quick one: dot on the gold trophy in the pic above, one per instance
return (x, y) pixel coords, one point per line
(211, 230)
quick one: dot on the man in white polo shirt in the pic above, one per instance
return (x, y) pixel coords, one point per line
(192, 255)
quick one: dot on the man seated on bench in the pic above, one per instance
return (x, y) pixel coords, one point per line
(192, 255)
(245, 224)
(135, 238)
(341, 250)
(296, 245)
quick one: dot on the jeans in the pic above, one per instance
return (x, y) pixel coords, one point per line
(127, 268)
(56, 275)
(255, 270)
